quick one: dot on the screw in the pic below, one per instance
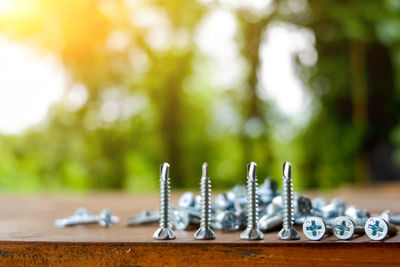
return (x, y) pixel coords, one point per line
(81, 216)
(145, 217)
(186, 200)
(318, 203)
(314, 228)
(378, 229)
(344, 228)
(164, 232)
(222, 202)
(183, 218)
(205, 232)
(227, 221)
(387, 216)
(252, 232)
(334, 209)
(288, 232)
(268, 223)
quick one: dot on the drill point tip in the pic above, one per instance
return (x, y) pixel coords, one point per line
(164, 170)
(287, 169)
(251, 170)
(205, 169)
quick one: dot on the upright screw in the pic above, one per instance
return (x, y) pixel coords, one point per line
(378, 229)
(205, 232)
(252, 232)
(344, 228)
(288, 232)
(164, 232)
(314, 228)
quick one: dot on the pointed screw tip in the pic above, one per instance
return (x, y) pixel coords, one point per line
(205, 169)
(165, 170)
(287, 169)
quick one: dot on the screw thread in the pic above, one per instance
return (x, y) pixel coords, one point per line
(252, 198)
(288, 204)
(164, 198)
(205, 188)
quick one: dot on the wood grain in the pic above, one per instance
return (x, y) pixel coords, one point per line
(28, 238)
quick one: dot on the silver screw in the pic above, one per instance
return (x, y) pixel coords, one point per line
(270, 223)
(186, 200)
(344, 228)
(184, 218)
(81, 216)
(314, 228)
(164, 232)
(252, 232)
(378, 229)
(145, 217)
(205, 232)
(391, 218)
(288, 232)
(227, 221)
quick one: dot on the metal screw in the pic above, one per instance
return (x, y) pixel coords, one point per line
(387, 216)
(81, 216)
(268, 223)
(288, 232)
(314, 228)
(205, 232)
(183, 218)
(252, 232)
(164, 232)
(227, 221)
(344, 228)
(378, 229)
(186, 200)
(318, 203)
(145, 217)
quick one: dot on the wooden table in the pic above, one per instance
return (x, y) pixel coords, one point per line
(28, 237)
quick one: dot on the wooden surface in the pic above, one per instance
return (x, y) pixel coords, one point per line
(27, 236)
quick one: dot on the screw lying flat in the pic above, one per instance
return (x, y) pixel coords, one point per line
(145, 217)
(344, 228)
(288, 232)
(314, 228)
(378, 229)
(205, 232)
(81, 216)
(391, 218)
(270, 223)
(252, 232)
(164, 232)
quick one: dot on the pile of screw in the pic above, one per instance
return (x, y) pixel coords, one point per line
(262, 209)
(253, 209)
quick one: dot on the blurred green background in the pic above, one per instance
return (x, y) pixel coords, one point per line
(95, 94)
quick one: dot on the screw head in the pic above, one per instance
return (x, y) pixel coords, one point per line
(204, 234)
(304, 205)
(230, 222)
(314, 228)
(164, 234)
(343, 227)
(288, 234)
(251, 234)
(186, 200)
(181, 219)
(376, 228)
(106, 219)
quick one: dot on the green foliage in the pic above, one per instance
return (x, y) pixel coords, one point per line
(172, 103)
